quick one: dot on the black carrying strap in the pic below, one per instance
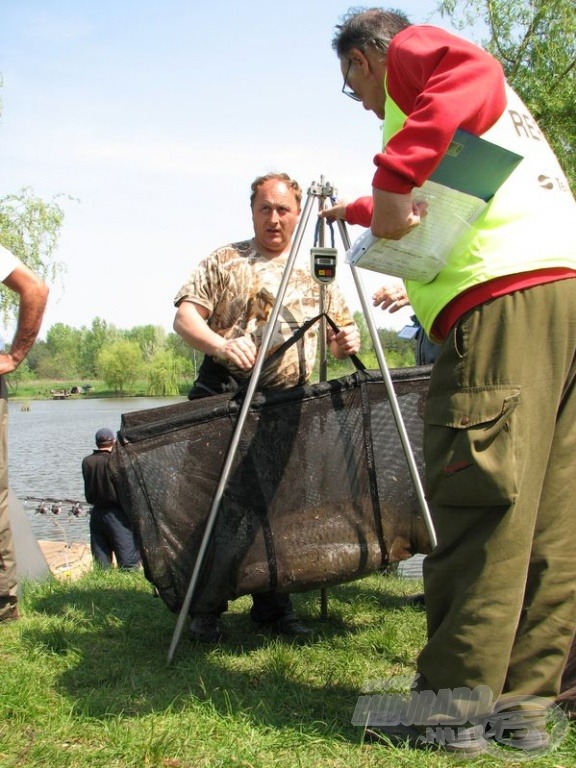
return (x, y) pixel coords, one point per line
(371, 466)
(299, 333)
(296, 336)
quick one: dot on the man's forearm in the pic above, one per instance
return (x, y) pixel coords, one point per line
(33, 294)
(30, 316)
(192, 329)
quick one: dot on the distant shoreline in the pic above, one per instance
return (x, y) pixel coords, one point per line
(94, 389)
(21, 397)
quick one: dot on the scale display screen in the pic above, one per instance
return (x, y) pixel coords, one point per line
(323, 264)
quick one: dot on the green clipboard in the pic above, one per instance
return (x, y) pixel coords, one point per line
(475, 166)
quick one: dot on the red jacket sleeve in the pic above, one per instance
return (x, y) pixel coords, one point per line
(360, 211)
(441, 82)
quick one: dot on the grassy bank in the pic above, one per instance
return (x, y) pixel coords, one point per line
(84, 682)
(44, 389)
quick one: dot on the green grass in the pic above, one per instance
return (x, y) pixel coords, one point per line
(84, 681)
(40, 389)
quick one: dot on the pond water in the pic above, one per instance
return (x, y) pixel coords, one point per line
(46, 445)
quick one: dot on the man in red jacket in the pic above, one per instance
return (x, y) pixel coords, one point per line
(500, 444)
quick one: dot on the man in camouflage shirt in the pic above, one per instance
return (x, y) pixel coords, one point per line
(223, 310)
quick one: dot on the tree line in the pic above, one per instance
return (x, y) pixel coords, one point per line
(122, 358)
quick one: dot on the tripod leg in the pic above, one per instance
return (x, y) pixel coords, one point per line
(404, 438)
(237, 433)
(323, 371)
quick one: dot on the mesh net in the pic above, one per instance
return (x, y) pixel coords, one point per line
(319, 492)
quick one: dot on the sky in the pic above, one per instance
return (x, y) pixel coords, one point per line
(147, 121)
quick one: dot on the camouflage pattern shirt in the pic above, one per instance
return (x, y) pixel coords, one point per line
(238, 287)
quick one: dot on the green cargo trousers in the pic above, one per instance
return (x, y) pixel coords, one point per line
(500, 449)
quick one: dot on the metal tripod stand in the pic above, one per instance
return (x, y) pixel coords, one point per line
(318, 191)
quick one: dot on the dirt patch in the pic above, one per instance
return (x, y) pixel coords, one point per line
(67, 561)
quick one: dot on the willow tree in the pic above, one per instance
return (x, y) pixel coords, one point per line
(163, 374)
(29, 227)
(120, 365)
(535, 41)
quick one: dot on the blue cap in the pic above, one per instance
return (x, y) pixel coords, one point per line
(104, 435)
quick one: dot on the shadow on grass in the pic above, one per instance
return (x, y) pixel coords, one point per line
(112, 638)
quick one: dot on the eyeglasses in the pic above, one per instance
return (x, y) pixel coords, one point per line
(346, 90)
